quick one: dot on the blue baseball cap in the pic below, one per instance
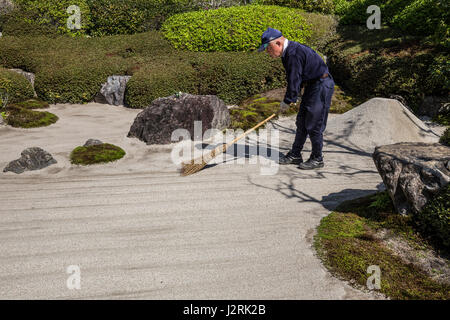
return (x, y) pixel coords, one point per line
(267, 36)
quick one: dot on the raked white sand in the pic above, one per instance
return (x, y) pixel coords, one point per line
(138, 230)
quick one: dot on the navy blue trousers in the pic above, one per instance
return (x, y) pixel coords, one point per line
(312, 116)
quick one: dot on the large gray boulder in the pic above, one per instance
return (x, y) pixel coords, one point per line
(155, 124)
(33, 158)
(413, 172)
(113, 91)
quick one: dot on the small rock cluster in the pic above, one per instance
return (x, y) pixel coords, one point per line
(36, 158)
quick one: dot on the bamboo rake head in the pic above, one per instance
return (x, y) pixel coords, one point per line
(199, 163)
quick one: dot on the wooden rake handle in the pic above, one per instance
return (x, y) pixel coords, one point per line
(248, 131)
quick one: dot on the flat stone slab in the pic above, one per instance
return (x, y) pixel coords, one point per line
(413, 172)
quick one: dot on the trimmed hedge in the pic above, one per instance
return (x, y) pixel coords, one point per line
(72, 70)
(236, 76)
(44, 17)
(110, 17)
(231, 76)
(161, 79)
(322, 6)
(98, 17)
(16, 86)
(233, 29)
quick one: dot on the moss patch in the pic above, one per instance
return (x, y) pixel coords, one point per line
(254, 110)
(347, 245)
(19, 117)
(33, 104)
(94, 154)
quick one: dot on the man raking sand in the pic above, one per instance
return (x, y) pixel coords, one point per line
(304, 67)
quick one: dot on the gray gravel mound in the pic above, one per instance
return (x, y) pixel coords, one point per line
(377, 122)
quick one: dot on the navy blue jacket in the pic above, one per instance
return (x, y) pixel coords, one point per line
(301, 64)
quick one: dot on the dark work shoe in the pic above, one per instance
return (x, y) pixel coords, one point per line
(312, 163)
(290, 158)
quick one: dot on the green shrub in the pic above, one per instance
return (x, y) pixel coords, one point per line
(161, 79)
(323, 29)
(341, 7)
(100, 153)
(366, 65)
(445, 138)
(45, 17)
(236, 76)
(231, 76)
(21, 52)
(72, 70)
(439, 74)
(322, 6)
(15, 85)
(19, 117)
(71, 83)
(111, 17)
(233, 29)
(422, 17)
(355, 12)
(435, 217)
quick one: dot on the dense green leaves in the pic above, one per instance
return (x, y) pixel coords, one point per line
(435, 217)
(233, 29)
(98, 17)
(44, 16)
(322, 6)
(15, 86)
(111, 17)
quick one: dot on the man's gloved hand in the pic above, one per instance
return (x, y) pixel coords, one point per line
(284, 107)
